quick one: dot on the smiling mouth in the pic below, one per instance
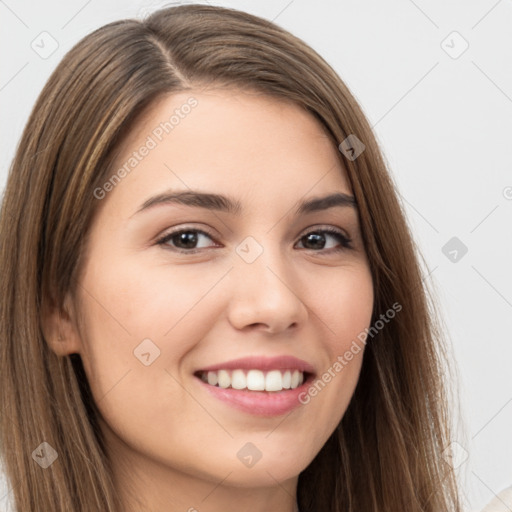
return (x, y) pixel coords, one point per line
(254, 380)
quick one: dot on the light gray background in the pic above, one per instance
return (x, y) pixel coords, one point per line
(444, 121)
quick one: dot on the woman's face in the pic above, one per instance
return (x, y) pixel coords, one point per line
(261, 280)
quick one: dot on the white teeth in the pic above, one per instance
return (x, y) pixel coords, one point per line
(295, 379)
(223, 379)
(287, 379)
(238, 380)
(212, 378)
(274, 381)
(254, 380)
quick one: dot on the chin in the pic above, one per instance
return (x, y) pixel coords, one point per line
(266, 472)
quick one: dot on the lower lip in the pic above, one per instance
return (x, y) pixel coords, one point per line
(260, 403)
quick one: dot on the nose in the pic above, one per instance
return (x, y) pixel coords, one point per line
(263, 296)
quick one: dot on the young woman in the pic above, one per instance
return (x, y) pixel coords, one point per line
(210, 297)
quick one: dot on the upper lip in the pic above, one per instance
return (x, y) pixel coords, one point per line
(284, 362)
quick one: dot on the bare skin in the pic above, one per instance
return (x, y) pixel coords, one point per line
(174, 446)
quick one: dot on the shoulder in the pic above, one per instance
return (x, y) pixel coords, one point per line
(501, 503)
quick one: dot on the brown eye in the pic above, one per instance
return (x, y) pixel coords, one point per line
(316, 240)
(184, 240)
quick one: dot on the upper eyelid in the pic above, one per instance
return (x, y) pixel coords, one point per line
(185, 227)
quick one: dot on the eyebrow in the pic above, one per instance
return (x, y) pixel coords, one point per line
(221, 203)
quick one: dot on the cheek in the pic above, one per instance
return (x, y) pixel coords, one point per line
(344, 310)
(142, 317)
(346, 307)
(135, 302)
(140, 327)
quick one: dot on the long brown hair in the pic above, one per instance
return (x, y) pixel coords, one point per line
(387, 452)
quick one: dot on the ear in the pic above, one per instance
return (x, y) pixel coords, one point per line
(60, 328)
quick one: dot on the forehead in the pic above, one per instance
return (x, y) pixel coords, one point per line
(244, 144)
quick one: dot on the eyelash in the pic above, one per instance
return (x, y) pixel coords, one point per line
(344, 240)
